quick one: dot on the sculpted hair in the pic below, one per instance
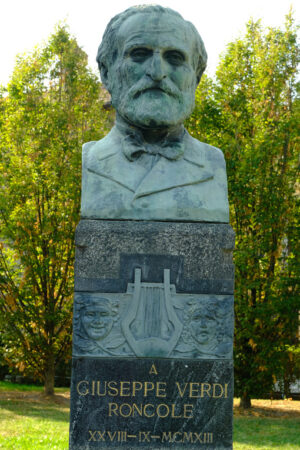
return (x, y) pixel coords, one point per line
(85, 301)
(108, 49)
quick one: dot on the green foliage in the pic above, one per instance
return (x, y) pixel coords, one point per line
(251, 112)
(51, 105)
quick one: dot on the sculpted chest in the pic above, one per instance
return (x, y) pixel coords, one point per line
(191, 188)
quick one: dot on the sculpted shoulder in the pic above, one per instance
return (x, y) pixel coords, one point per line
(201, 153)
(94, 151)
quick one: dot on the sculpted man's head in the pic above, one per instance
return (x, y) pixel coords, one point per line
(151, 61)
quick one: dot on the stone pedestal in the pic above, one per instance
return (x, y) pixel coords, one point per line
(152, 338)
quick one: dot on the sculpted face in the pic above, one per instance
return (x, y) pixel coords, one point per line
(97, 321)
(153, 81)
(203, 326)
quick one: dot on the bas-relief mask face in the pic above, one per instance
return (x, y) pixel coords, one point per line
(203, 325)
(153, 81)
(97, 321)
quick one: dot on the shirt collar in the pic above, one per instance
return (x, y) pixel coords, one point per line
(171, 145)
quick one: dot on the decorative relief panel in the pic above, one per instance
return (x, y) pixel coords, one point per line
(152, 320)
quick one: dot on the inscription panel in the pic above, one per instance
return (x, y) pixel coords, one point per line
(151, 403)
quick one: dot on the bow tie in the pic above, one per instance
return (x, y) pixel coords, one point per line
(134, 145)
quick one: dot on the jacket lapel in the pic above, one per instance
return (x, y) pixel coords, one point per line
(115, 167)
(167, 175)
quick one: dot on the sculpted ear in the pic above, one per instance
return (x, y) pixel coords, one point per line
(105, 76)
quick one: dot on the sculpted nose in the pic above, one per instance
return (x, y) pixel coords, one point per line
(97, 319)
(156, 68)
(203, 323)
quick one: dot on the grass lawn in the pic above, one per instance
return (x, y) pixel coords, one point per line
(269, 425)
(30, 421)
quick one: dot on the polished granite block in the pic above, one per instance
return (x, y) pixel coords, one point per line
(151, 404)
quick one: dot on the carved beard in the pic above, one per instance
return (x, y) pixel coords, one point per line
(153, 105)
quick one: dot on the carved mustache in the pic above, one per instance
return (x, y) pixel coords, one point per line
(144, 85)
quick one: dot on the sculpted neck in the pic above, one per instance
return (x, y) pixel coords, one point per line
(150, 135)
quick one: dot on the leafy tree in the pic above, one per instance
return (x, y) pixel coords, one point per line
(251, 112)
(52, 104)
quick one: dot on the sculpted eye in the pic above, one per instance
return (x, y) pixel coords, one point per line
(174, 57)
(140, 54)
(211, 319)
(196, 317)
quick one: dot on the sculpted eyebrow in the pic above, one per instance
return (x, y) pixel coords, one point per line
(129, 47)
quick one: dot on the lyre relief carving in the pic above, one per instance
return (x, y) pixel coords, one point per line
(151, 326)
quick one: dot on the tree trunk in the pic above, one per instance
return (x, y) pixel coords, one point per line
(286, 387)
(245, 401)
(49, 376)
